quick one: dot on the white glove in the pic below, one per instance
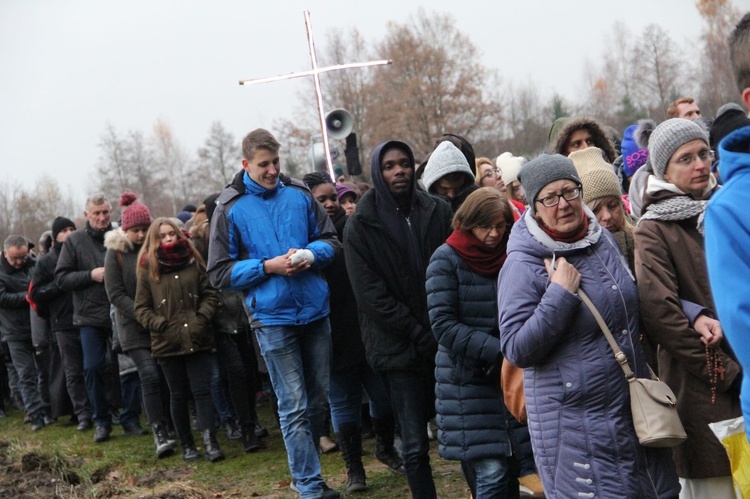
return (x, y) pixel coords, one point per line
(303, 254)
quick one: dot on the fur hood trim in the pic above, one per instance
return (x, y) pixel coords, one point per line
(601, 139)
(118, 241)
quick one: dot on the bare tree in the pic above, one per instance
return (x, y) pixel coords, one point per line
(717, 84)
(218, 159)
(659, 67)
(526, 125)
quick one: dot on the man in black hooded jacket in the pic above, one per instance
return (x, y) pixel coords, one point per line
(388, 243)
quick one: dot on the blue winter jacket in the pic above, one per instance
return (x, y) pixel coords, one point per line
(727, 242)
(471, 416)
(252, 224)
(577, 397)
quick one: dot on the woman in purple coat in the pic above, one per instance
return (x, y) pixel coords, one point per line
(576, 394)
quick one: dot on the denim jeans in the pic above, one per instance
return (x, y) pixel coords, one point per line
(22, 354)
(345, 396)
(130, 386)
(492, 478)
(298, 360)
(186, 375)
(153, 386)
(412, 396)
(219, 393)
(95, 343)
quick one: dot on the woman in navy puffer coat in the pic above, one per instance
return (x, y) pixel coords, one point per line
(577, 397)
(461, 280)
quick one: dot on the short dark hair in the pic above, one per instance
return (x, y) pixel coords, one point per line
(739, 52)
(259, 139)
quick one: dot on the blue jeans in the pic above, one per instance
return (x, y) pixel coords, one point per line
(94, 342)
(492, 478)
(130, 386)
(298, 360)
(345, 395)
(412, 396)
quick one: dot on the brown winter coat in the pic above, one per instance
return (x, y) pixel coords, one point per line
(177, 311)
(670, 266)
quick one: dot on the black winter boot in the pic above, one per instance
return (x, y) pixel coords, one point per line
(384, 450)
(189, 452)
(211, 446)
(349, 439)
(164, 446)
(250, 441)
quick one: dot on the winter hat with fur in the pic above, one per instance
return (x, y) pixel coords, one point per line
(596, 129)
(669, 136)
(134, 213)
(542, 170)
(509, 166)
(59, 224)
(445, 159)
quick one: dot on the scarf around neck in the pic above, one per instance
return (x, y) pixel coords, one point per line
(482, 259)
(568, 237)
(174, 257)
(679, 207)
(97, 234)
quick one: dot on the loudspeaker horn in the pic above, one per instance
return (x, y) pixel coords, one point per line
(339, 124)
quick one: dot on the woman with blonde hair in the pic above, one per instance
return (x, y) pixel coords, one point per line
(175, 302)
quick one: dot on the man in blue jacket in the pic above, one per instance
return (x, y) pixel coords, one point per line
(728, 226)
(270, 239)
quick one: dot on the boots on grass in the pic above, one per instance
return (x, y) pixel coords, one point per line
(189, 452)
(349, 439)
(211, 446)
(250, 441)
(164, 446)
(385, 452)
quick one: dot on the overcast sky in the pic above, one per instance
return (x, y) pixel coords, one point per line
(68, 68)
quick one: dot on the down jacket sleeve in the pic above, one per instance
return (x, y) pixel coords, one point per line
(67, 275)
(145, 311)
(44, 289)
(115, 285)
(448, 326)
(533, 320)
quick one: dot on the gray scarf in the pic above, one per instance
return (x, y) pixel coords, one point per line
(681, 207)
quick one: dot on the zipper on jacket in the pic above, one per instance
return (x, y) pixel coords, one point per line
(162, 302)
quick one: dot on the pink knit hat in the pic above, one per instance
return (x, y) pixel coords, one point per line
(134, 213)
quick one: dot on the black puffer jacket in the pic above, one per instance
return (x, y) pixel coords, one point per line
(82, 252)
(46, 291)
(14, 309)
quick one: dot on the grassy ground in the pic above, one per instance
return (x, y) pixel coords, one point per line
(60, 462)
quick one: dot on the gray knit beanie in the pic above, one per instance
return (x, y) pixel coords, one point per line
(445, 159)
(543, 170)
(669, 136)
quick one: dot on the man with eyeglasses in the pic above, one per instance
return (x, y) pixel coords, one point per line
(15, 274)
(693, 358)
(80, 269)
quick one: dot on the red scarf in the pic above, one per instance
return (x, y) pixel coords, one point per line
(481, 258)
(568, 237)
(174, 257)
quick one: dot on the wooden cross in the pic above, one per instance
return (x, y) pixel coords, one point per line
(315, 73)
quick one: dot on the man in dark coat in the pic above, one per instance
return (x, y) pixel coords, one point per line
(60, 305)
(15, 274)
(80, 269)
(388, 243)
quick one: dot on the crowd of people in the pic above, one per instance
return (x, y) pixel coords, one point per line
(413, 291)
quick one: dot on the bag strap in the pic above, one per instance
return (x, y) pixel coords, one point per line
(619, 356)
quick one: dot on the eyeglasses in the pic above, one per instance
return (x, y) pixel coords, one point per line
(687, 160)
(499, 228)
(554, 199)
(492, 173)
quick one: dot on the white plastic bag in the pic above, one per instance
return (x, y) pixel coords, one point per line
(731, 434)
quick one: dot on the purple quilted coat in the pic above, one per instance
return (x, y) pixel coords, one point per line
(576, 394)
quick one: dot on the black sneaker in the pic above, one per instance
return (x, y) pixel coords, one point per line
(37, 422)
(328, 492)
(260, 431)
(135, 430)
(101, 433)
(84, 424)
